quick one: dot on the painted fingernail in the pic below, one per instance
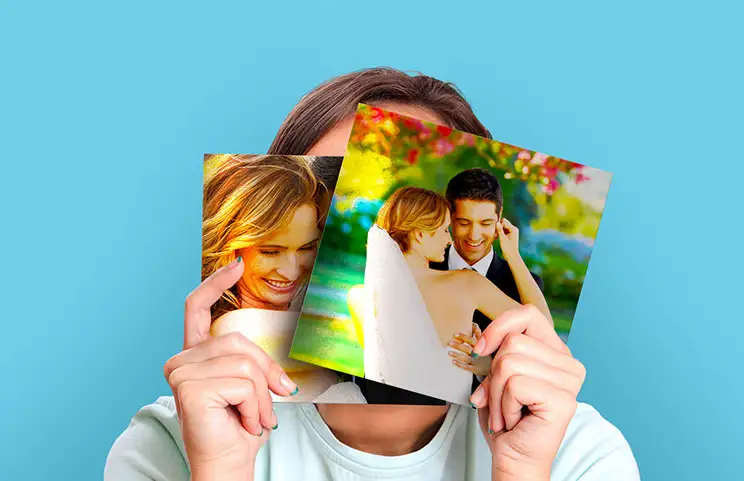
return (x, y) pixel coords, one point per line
(490, 431)
(236, 261)
(288, 384)
(274, 420)
(473, 406)
(260, 434)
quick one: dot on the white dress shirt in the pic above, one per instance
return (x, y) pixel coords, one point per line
(456, 262)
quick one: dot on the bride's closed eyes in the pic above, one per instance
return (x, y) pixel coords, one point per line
(272, 251)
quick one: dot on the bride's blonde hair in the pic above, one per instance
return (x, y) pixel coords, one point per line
(409, 209)
(246, 199)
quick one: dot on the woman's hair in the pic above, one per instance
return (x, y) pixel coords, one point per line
(337, 99)
(409, 209)
(246, 199)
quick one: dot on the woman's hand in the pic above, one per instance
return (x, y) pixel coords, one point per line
(221, 388)
(464, 343)
(508, 235)
(529, 397)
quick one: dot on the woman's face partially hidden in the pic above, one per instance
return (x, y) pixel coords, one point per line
(277, 269)
(432, 244)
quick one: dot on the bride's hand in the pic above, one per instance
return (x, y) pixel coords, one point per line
(463, 343)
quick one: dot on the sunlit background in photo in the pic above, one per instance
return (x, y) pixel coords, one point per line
(556, 204)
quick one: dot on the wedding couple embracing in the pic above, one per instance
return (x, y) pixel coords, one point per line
(433, 283)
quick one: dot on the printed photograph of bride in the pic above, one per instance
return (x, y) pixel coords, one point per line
(269, 210)
(431, 234)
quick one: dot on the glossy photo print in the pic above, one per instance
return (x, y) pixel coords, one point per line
(269, 210)
(431, 234)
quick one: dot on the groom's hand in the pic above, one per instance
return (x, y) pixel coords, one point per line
(529, 396)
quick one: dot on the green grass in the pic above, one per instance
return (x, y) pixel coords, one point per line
(329, 343)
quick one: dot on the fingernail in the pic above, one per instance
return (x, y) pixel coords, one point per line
(260, 434)
(473, 406)
(490, 431)
(478, 348)
(275, 426)
(236, 261)
(477, 396)
(289, 385)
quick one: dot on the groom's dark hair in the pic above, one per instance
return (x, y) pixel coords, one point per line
(475, 184)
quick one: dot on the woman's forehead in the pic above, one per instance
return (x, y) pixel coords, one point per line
(301, 229)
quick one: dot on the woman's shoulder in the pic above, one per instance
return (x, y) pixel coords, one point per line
(462, 276)
(150, 447)
(594, 448)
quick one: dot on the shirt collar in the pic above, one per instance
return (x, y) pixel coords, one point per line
(456, 262)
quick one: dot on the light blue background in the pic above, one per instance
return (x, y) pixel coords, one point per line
(106, 110)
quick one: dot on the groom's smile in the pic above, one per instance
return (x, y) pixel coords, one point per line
(473, 228)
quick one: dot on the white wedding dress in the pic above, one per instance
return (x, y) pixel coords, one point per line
(401, 344)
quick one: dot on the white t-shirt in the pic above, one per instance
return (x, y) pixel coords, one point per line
(303, 448)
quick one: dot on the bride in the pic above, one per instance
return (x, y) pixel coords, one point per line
(269, 211)
(413, 311)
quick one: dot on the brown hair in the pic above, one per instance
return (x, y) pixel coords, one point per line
(338, 98)
(409, 209)
(246, 198)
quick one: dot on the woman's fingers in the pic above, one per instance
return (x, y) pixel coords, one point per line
(236, 366)
(464, 365)
(477, 333)
(525, 320)
(235, 343)
(463, 347)
(461, 357)
(250, 414)
(221, 393)
(504, 368)
(197, 310)
(545, 402)
(531, 347)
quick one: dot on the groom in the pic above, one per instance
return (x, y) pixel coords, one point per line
(476, 206)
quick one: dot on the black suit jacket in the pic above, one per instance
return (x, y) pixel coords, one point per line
(499, 274)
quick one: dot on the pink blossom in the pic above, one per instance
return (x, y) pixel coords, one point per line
(443, 147)
(538, 159)
(551, 186)
(524, 155)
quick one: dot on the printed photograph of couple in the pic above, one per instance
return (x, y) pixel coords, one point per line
(269, 210)
(431, 234)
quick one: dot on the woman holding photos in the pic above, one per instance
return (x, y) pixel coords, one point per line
(528, 424)
(267, 210)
